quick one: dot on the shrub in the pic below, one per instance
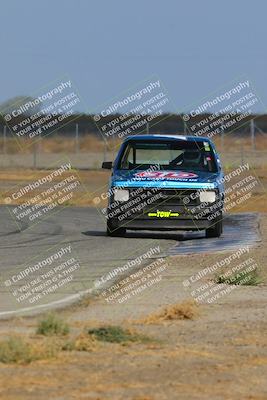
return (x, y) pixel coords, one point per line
(116, 334)
(51, 324)
(15, 350)
(246, 279)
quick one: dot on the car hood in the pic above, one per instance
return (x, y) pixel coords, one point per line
(165, 179)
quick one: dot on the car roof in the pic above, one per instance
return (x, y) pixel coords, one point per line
(170, 137)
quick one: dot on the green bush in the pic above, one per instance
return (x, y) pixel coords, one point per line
(247, 279)
(51, 324)
(116, 334)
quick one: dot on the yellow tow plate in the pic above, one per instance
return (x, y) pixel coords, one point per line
(163, 214)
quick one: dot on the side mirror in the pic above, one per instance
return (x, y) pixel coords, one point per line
(107, 164)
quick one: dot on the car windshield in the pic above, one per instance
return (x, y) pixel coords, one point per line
(181, 155)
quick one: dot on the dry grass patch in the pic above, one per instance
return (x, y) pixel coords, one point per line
(22, 351)
(83, 342)
(185, 310)
(16, 350)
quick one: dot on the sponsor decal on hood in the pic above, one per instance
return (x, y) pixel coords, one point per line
(165, 179)
(162, 175)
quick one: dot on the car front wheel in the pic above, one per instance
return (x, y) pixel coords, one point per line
(115, 231)
(216, 230)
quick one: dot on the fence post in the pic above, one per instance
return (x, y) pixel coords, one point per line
(252, 133)
(4, 140)
(40, 146)
(105, 150)
(77, 147)
(185, 131)
(34, 155)
(222, 141)
(242, 152)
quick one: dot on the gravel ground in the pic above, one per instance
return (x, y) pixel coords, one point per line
(221, 354)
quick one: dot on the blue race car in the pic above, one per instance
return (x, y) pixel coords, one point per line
(165, 182)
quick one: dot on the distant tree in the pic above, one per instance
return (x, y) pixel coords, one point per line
(15, 102)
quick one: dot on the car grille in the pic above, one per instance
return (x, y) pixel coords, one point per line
(172, 197)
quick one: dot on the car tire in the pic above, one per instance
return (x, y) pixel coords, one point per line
(216, 230)
(115, 231)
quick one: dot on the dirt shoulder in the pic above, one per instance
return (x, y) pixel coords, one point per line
(218, 352)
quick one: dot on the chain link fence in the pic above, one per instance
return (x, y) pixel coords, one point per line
(89, 151)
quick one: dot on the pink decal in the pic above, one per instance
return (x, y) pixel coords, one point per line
(166, 175)
(149, 174)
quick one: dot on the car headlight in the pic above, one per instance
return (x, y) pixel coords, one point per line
(121, 195)
(207, 196)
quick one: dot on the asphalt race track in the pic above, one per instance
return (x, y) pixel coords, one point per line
(84, 230)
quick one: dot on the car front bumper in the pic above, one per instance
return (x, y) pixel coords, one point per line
(184, 221)
(164, 209)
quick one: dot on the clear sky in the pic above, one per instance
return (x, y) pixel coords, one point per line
(194, 46)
